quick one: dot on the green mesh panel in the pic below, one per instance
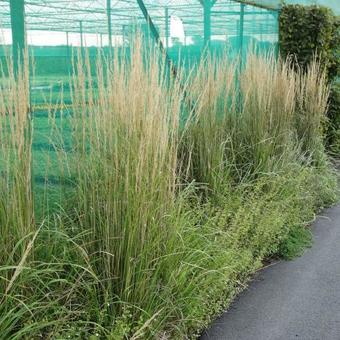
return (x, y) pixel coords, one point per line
(56, 29)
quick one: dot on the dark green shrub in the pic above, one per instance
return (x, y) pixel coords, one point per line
(308, 32)
(333, 132)
(334, 68)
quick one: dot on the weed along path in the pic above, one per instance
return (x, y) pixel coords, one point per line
(298, 299)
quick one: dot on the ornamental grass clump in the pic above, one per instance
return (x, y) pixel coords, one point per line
(265, 125)
(212, 87)
(173, 193)
(311, 108)
(243, 123)
(252, 122)
(16, 198)
(126, 139)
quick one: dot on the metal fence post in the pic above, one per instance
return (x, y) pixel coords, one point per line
(207, 5)
(241, 33)
(109, 23)
(17, 9)
(167, 27)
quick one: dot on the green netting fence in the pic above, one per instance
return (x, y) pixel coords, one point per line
(52, 29)
(55, 30)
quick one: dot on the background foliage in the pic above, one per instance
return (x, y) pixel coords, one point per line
(307, 32)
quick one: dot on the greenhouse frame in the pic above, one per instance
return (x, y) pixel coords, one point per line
(103, 23)
(110, 20)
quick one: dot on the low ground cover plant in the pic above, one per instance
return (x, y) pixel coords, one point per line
(178, 190)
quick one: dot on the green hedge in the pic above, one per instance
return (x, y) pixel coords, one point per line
(333, 130)
(306, 31)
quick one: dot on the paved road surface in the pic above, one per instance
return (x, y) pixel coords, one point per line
(297, 299)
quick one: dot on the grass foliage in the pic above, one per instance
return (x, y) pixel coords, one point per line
(178, 190)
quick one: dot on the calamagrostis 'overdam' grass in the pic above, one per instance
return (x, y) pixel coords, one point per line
(134, 252)
(213, 87)
(16, 201)
(253, 122)
(312, 100)
(126, 137)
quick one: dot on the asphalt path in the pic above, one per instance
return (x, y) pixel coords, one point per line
(297, 299)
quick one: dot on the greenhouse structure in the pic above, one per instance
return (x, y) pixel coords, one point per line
(51, 28)
(57, 26)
